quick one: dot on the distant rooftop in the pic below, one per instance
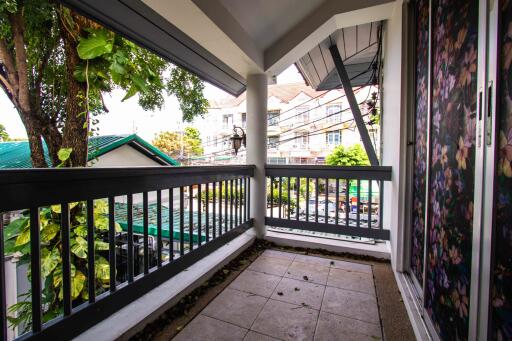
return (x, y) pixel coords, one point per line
(16, 154)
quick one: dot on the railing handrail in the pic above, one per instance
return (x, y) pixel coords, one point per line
(322, 171)
(23, 188)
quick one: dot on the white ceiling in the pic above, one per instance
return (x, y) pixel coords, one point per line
(265, 21)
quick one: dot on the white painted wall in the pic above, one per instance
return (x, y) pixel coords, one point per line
(124, 156)
(394, 132)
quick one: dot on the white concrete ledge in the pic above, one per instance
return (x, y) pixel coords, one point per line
(135, 316)
(379, 250)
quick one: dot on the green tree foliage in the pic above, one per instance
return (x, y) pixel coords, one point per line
(4, 136)
(17, 241)
(56, 66)
(173, 143)
(348, 156)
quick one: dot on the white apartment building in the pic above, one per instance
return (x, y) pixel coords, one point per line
(304, 125)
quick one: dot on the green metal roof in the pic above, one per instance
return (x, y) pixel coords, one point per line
(121, 217)
(16, 154)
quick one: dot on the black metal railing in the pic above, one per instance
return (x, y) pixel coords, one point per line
(218, 211)
(329, 199)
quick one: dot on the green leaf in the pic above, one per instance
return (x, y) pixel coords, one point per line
(139, 83)
(49, 261)
(102, 270)
(77, 284)
(57, 275)
(64, 153)
(23, 238)
(130, 93)
(81, 230)
(79, 247)
(99, 245)
(49, 232)
(97, 44)
(15, 227)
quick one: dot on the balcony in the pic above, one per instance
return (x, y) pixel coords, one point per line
(288, 252)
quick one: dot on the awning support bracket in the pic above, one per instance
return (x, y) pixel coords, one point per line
(356, 111)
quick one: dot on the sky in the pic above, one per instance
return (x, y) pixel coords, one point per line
(127, 117)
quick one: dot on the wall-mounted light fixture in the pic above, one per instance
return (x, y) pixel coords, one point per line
(237, 139)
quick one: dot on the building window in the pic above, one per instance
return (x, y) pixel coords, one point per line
(301, 140)
(277, 160)
(333, 138)
(273, 141)
(333, 113)
(227, 121)
(273, 117)
(244, 120)
(302, 114)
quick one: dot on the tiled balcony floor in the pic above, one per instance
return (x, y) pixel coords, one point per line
(288, 296)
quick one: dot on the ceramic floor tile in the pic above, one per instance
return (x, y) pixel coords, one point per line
(236, 307)
(308, 272)
(253, 336)
(279, 254)
(286, 321)
(313, 260)
(206, 328)
(351, 266)
(256, 283)
(351, 304)
(299, 292)
(351, 280)
(332, 327)
(270, 265)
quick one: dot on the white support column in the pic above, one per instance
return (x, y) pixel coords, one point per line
(257, 147)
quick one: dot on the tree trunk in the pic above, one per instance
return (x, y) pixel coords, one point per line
(34, 141)
(75, 134)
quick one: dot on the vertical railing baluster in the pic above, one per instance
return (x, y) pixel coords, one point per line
(241, 202)
(145, 224)
(358, 223)
(91, 272)
(35, 269)
(289, 200)
(171, 224)
(369, 214)
(316, 200)
(249, 199)
(236, 202)
(307, 199)
(159, 228)
(66, 259)
(220, 207)
(112, 244)
(231, 201)
(347, 202)
(271, 197)
(182, 221)
(226, 206)
(3, 300)
(297, 197)
(381, 203)
(129, 220)
(245, 200)
(199, 227)
(214, 202)
(326, 200)
(337, 200)
(207, 208)
(279, 210)
(190, 218)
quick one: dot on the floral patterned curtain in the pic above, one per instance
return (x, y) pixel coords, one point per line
(452, 162)
(420, 140)
(501, 295)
